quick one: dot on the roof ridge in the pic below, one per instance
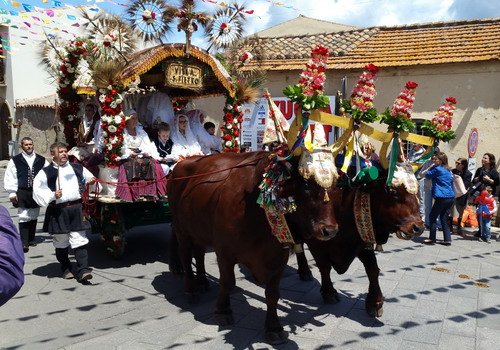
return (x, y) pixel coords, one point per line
(326, 33)
(439, 24)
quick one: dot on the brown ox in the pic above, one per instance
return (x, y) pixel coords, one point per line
(393, 210)
(213, 201)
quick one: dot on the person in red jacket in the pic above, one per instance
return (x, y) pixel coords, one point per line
(486, 209)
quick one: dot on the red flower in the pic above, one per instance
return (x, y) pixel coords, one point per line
(452, 100)
(372, 68)
(411, 85)
(223, 26)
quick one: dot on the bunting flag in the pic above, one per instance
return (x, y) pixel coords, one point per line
(28, 7)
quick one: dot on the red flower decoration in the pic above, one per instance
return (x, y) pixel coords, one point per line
(372, 68)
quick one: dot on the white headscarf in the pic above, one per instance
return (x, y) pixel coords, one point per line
(184, 145)
(160, 106)
(199, 131)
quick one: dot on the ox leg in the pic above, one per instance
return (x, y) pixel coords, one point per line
(201, 275)
(329, 294)
(223, 312)
(185, 252)
(274, 331)
(374, 299)
(304, 271)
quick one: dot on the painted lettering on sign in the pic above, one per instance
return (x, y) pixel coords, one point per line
(184, 76)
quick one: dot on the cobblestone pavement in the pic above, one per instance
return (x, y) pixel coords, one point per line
(436, 297)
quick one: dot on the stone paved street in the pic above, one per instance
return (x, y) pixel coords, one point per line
(436, 297)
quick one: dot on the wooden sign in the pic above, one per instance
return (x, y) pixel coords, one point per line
(184, 76)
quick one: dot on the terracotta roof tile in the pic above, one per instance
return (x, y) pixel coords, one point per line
(418, 44)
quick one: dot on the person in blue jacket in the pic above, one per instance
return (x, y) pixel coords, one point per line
(444, 196)
(11, 258)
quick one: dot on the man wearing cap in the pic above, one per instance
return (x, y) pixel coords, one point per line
(18, 181)
(60, 185)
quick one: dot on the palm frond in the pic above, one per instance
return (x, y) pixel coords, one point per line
(105, 72)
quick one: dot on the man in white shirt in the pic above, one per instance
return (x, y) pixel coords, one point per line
(18, 181)
(59, 186)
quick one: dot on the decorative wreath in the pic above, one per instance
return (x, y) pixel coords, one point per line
(398, 117)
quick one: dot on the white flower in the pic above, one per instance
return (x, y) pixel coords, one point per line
(71, 117)
(112, 129)
(228, 143)
(229, 126)
(104, 134)
(113, 140)
(235, 121)
(102, 98)
(109, 87)
(229, 107)
(102, 91)
(71, 70)
(118, 158)
(109, 146)
(113, 104)
(118, 118)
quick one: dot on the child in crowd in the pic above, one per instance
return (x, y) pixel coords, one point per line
(164, 146)
(486, 209)
(216, 142)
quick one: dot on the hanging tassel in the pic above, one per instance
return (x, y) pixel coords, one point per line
(379, 248)
(326, 199)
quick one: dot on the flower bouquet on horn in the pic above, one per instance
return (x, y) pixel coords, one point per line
(360, 105)
(398, 117)
(439, 126)
(309, 91)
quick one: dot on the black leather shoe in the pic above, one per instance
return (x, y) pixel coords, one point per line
(478, 234)
(32, 244)
(26, 248)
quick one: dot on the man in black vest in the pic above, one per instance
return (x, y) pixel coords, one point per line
(60, 185)
(18, 181)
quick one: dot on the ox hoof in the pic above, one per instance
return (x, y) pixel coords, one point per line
(276, 338)
(332, 298)
(306, 275)
(224, 319)
(376, 311)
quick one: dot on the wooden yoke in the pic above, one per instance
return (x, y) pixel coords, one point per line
(348, 125)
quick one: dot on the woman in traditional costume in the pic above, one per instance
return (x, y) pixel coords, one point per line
(140, 174)
(185, 142)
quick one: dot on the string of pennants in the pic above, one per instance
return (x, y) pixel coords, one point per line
(37, 22)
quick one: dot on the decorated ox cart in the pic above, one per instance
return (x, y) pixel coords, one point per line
(106, 64)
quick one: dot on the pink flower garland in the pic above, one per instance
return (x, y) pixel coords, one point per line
(313, 77)
(443, 117)
(364, 92)
(309, 91)
(403, 105)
